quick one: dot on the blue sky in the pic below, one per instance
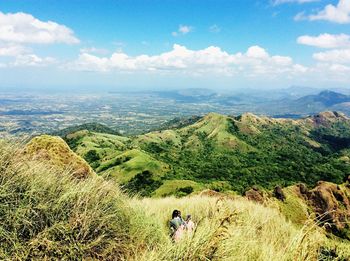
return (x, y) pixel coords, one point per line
(223, 44)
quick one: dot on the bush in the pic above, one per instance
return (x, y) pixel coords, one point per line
(91, 156)
(181, 192)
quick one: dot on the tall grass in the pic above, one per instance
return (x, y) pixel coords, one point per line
(233, 230)
(48, 214)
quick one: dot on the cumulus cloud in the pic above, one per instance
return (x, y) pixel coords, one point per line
(339, 56)
(339, 13)
(18, 30)
(32, 60)
(182, 30)
(24, 28)
(326, 40)
(256, 52)
(255, 61)
(12, 50)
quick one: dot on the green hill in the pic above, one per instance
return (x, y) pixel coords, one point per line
(95, 127)
(240, 152)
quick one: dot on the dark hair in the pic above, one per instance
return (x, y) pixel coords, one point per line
(175, 214)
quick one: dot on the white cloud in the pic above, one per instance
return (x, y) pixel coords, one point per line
(326, 40)
(12, 50)
(257, 52)
(278, 2)
(255, 61)
(20, 29)
(341, 56)
(24, 28)
(32, 60)
(214, 28)
(182, 30)
(337, 14)
(339, 68)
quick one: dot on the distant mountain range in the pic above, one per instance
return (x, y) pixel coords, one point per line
(295, 101)
(326, 98)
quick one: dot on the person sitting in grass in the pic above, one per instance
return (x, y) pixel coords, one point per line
(177, 226)
(189, 224)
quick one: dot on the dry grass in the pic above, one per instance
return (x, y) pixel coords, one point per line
(46, 214)
(233, 230)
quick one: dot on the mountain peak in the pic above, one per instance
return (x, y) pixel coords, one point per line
(330, 115)
(213, 115)
(327, 98)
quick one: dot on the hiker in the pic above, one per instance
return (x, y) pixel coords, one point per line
(189, 224)
(177, 226)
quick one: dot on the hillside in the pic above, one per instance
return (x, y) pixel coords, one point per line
(49, 214)
(225, 153)
(95, 127)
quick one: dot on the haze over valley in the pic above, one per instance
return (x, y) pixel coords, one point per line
(34, 113)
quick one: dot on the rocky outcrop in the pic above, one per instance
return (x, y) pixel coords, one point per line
(278, 193)
(331, 204)
(327, 203)
(255, 194)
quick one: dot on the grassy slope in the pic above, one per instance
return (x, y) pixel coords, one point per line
(171, 186)
(45, 214)
(128, 164)
(117, 158)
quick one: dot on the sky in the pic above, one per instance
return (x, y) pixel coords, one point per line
(163, 44)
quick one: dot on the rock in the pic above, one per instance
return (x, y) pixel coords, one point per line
(211, 193)
(255, 194)
(332, 207)
(278, 193)
(303, 189)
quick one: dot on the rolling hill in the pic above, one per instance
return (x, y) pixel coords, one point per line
(224, 153)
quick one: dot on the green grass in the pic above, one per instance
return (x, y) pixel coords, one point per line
(294, 208)
(127, 165)
(171, 187)
(103, 143)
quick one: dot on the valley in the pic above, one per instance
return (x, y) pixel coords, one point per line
(132, 113)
